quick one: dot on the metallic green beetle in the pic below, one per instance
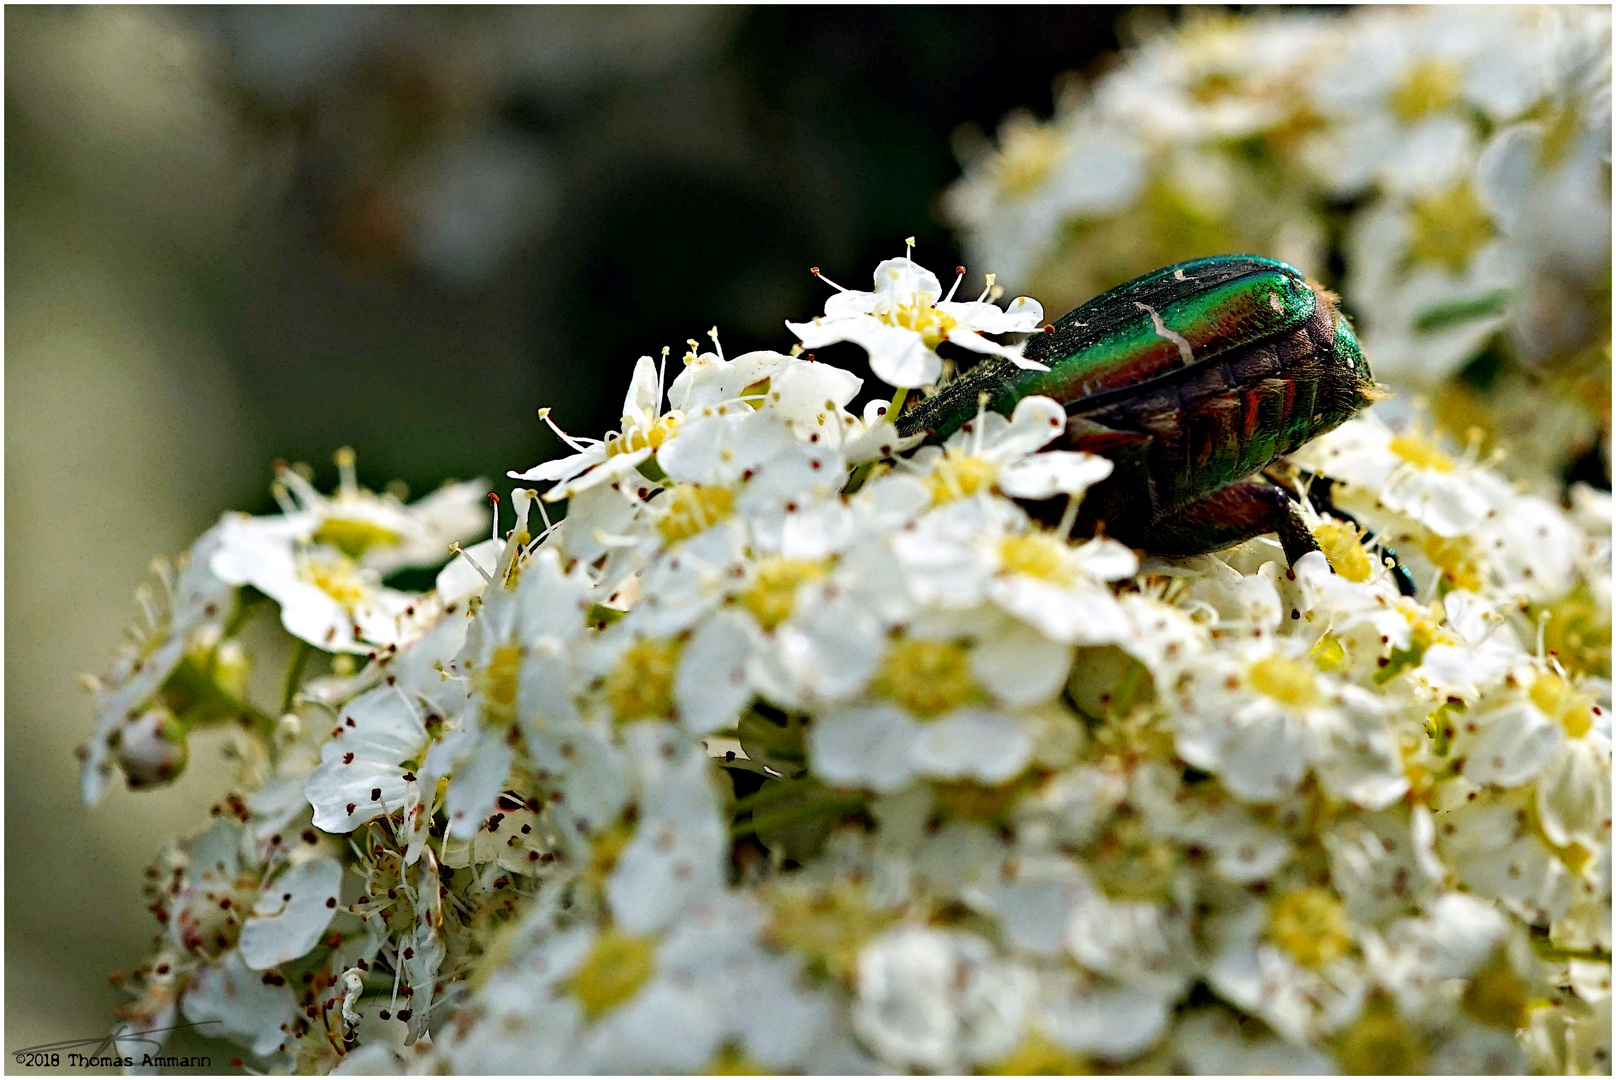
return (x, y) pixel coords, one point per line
(1191, 380)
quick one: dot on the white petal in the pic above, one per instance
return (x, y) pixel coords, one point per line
(1514, 743)
(1041, 476)
(476, 785)
(291, 913)
(712, 685)
(236, 1003)
(973, 743)
(863, 746)
(1019, 665)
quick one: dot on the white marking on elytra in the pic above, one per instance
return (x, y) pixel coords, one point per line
(1273, 302)
(1164, 332)
(1178, 275)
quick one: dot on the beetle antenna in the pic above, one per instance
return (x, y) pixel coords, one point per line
(814, 270)
(959, 276)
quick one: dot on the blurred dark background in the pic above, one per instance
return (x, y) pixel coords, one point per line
(241, 234)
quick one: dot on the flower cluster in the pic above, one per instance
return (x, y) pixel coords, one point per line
(792, 747)
(1456, 162)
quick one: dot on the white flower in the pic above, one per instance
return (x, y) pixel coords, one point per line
(323, 559)
(973, 550)
(596, 461)
(937, 999)
(186, 616)
(1260, 715)
(1286, 961)
(1404, 473)
(903, 321)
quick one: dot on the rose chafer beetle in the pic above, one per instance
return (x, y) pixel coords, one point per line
(1192, 380)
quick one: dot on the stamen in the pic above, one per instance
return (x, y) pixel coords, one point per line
(284, 498)
(579, 445)
(959, 276)
(988, 287)
(456, 549)
(713, 333)
(493, 500)
(814, 270)
(348, 478)
(1068, 518)
(521, 501)
(981, 416)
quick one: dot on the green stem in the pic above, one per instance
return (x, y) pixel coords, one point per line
(1555, 952)
(251, 601)
(898, 396)
(294, 674)
(790, 817)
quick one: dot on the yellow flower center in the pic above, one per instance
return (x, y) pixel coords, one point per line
(1311, 925)
(1497, 996)
(928, 678)
(354, 538)
(1027, 155)
(1455, 556)
(496, 684)
(774, 588)
(957, 474)
(1380, 1044)
(921, 315)
(1577, 633)
(1038, 555)
(338, 577)
(733, 1061)
(1289, 682)
(1345, 551)
(827, 929)
(1420, 452)
(1329, 654)
(636, 438)
(1563, 703)
(1129, 864)
(969, 801)
(617, 966)
(690, 508)
(1448, 228)
(605, 847)
(1429, 86)
(1037, 1056)
(641, 685)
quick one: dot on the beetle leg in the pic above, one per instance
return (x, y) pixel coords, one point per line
(1227, 517)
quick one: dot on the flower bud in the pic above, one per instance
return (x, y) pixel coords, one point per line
(151, 749)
